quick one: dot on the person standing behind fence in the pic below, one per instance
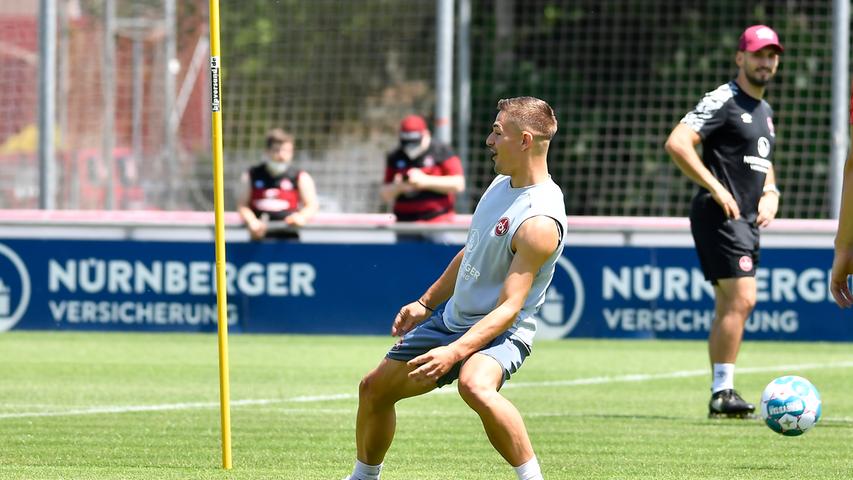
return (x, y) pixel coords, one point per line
(274, 191)
(493, 288)
(422, 176)
(737, 195)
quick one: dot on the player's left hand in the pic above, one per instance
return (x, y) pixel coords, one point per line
(295, 219)
(434, 363)
(768, 205)
(842, 267)
(408, 318)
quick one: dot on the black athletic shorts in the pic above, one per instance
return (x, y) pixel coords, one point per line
(726, 248)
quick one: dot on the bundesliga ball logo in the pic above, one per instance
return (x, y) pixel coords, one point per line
(790, 405)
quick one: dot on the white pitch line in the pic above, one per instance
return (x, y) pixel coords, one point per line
(349, 396)
(320, 398)
(670, 375)
(135, 408)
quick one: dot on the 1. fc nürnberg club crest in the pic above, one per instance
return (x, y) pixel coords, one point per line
(502, 227)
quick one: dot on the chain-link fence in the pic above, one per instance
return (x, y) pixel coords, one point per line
(621, 73)
(340, 74)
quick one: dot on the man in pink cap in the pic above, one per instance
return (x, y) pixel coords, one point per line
(422, 176)
(737, 195)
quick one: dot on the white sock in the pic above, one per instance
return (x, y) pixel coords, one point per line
(529, 470)
(363, 471)
(724, 377)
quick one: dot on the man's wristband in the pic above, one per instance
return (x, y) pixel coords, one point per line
(772, 188)
(424, 305)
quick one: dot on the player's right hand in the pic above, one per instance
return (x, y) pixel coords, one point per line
(407, 318)
(842, 268)
(257, 230)
(727, 202)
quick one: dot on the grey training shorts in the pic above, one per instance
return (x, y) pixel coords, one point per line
(509, 352)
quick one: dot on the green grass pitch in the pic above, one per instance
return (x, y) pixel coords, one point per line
(145, 406)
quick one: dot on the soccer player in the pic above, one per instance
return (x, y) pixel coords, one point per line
(493, 287)
(737, 195)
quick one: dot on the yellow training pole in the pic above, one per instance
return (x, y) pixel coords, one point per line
(219, 211)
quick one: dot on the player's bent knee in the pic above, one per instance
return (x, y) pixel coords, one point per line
(372, 388)
(382, 385)
(475, 394)
(374, 395)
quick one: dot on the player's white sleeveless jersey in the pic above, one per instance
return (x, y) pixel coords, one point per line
(488, 254)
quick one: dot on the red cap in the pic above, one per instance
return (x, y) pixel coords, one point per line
(412, 128)
(757, 37)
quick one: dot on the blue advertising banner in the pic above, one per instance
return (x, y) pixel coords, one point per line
(625, 292)
(170, 286)
(630, 292)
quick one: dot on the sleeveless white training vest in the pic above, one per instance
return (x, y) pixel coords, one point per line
(488, 254)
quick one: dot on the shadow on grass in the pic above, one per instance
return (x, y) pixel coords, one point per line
(647, 417)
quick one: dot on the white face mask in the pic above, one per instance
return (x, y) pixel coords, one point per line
(276, 168)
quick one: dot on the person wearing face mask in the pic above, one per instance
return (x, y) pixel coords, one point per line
(422, 176)
(275, 191)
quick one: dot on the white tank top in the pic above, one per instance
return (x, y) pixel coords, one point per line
(488, 254)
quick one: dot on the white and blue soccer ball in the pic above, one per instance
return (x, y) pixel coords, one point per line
(790, 405)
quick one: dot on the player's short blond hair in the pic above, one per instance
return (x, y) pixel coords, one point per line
(531, 114)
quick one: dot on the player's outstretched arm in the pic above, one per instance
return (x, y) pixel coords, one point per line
(842, 263)
(534, 242)
(419, 310)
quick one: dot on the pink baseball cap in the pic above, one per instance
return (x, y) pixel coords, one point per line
(412, 128)
(757, 37)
